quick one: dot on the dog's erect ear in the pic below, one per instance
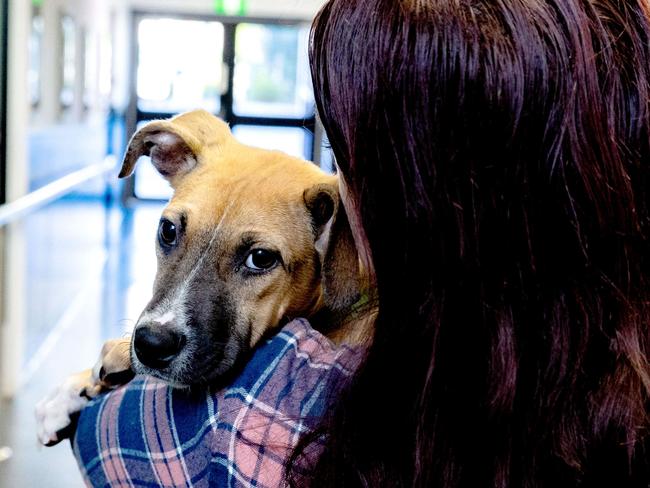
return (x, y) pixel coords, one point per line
(322, 201)
(175, 145)
(334, 241)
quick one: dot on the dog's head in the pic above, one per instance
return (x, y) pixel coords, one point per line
(249, 239)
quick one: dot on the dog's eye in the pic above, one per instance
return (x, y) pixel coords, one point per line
(261, 259)
(167, 233)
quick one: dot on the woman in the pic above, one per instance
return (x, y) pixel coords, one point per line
(497, 157)
(495, 160)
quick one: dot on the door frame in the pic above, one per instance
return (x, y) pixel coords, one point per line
(4, 46)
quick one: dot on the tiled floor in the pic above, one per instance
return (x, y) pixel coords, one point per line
(89, 272)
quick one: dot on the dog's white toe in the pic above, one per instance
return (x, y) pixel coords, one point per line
(53, 412)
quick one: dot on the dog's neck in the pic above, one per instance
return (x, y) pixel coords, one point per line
(352, 325)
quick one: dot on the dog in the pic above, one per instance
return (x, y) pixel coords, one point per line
(250, 239)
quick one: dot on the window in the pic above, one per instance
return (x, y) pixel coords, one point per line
(271, 71)
(179, 65)
(69, 32)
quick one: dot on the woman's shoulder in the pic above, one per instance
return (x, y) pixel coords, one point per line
(293, 371)
(296, 354)
(242, 432)
(282, 392)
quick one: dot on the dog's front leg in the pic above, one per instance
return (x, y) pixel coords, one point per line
(54, 413)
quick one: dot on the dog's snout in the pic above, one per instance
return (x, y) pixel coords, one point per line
(156, 347)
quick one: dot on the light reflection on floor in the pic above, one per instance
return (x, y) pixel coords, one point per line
(89, 273)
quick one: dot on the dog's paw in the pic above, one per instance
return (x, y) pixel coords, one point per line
(54, 413)
(114, 365)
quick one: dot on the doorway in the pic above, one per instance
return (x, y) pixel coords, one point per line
(253, 73)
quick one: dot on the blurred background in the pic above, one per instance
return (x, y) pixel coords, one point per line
(77, 256)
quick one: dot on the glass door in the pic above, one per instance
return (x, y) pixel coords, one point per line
(252, 73)
(179, 68)
(272, 96)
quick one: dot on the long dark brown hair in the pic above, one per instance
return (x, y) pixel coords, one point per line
(498, 155)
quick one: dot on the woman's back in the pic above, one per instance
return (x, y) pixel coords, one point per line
(496, 155)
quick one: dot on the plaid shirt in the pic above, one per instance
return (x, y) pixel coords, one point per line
(148, 434)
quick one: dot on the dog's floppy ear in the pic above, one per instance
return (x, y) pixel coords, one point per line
(334, 241)
(175, 145)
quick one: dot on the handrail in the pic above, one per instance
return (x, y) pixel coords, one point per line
(12, 211)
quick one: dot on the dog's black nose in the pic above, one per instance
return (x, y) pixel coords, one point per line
(156, 347)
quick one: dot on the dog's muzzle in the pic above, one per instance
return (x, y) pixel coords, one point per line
(157, 347)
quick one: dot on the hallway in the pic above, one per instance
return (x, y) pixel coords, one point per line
(91, 267)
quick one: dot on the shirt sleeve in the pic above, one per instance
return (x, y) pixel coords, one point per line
(149, 434)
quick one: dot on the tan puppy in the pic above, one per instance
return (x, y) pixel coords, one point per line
(251, 239)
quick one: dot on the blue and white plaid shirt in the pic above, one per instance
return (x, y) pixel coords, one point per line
(148, 434)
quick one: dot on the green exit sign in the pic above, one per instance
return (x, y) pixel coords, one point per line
(37, 3)
(231, 7)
